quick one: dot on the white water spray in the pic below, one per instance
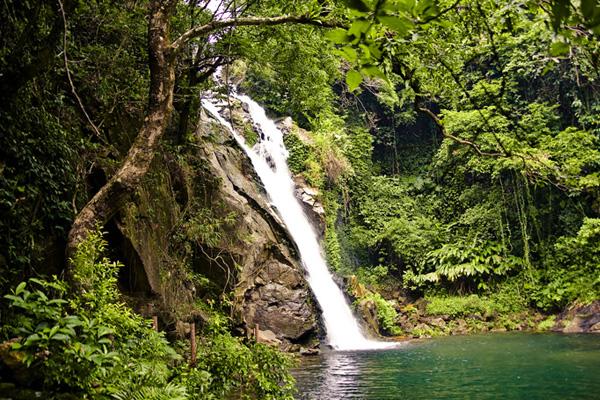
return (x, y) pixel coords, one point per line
(268, 157)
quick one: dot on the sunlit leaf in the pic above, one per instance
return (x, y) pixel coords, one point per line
(559, 49)
(359, 27)
(338, 36)
(373, 71)
(19, 289)
(401, 25)
(349, 53)
(353, 79)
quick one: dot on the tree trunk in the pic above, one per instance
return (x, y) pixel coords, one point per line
(109, 198)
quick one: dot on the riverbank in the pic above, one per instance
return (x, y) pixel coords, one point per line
(390, 312)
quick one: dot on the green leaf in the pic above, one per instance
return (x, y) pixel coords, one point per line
(61, 337)
(353, 79)
(373, 71)
(401, 25)
(13, 298)
(31, 339)
(559, 49)
(588, 8)
(427, 8)
(349, 53)
(359, 27)
(395, 6)
(103, 331)
(20, 287)
(338, 36)
(53, 331)
(561, 9)
(358, 5)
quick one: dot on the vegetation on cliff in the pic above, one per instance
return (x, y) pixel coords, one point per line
(455, 145)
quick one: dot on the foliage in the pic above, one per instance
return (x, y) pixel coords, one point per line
(254, 371)
(94, 345)
(474, 262)
(301, 156)
(460, 154)
(573, 272)
(67, 349)
(386, 313)
(294, 79)
(464, 306)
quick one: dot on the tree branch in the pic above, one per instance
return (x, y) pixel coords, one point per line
(441, 13)
(217, 25)
(465, 142)
(68, 71)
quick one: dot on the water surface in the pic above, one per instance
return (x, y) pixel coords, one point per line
(492, 366)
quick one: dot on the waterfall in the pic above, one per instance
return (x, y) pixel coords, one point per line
(268, 157)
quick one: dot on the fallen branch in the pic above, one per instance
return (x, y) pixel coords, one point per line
(217, 25)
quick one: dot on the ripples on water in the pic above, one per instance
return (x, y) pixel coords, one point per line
(493, 366)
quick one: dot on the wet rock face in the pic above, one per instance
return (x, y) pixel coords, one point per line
(272, 297)
(309, 199)
(579, 319)
(367, 309)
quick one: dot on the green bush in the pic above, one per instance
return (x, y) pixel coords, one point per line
(63, 348)
(93, 345)
(386, 313)
(254, 371)
(573, 270)
(500, 303)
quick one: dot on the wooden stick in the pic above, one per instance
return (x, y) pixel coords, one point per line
(193, 344)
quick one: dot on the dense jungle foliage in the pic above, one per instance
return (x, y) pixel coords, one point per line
(455, 145)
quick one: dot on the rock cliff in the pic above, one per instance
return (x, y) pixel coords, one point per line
(253, 257)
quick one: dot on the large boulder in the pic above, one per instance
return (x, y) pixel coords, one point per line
(271, 292)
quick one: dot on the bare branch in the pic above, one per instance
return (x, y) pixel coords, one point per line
(445, 133)
(66, 62)
(217, 25)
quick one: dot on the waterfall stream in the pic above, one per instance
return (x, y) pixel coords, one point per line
(268, 157)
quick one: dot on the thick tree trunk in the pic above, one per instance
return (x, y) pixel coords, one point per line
(109, 198)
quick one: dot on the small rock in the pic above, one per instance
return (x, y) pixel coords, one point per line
(575, 326)
(318, 208)
(309, 352)
(285, 124)
(268, 337)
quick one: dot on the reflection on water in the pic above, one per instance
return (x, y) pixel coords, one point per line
(340, 376)
(507, 366)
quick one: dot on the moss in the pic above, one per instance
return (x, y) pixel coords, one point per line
(386, 313)
(250, 135)
(547, 324)
(333, 249)
(299, 153)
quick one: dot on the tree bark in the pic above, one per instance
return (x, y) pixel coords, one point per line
(109, 198)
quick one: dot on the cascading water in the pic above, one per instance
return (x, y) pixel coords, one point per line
(268, 157)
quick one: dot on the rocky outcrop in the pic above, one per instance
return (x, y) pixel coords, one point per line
(309, 198)
(271, 293)
(579, 319)
(252, 257)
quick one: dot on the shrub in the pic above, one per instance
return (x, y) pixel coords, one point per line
(93, 345)
(386, 313)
